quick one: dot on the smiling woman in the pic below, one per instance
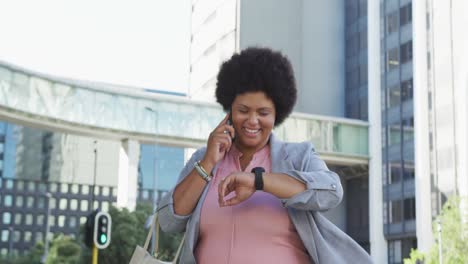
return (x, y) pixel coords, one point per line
(248, 197)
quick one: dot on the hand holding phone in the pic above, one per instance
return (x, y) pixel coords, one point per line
(229, 122)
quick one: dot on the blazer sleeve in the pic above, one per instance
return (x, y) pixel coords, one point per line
(323, 187)
(168, 219)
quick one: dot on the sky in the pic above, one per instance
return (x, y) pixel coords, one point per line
(141, 43)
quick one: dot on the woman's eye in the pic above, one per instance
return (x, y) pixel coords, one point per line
(264, 114)
(243, 111)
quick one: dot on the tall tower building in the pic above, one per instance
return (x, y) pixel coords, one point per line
(418, 48)
(441, 111)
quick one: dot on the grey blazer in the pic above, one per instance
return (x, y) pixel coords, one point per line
(324, 241)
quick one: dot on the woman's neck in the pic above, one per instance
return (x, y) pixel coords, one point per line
(248, 152)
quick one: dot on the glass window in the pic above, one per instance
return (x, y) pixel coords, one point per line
(363, 39)
(7, 200)
(353, 78)
(97, 190)
(27, 236)
(362, 8)
(84, 189)
(410, 209)
(6, 218)
(407, 90)
(75, 188)
(16, 236)
(39, 237)
(19, 201)
(40, 220)
(392, 59)
(74, 204)
(363, 74)
(392, 22)
(84, 205)
(394, 134)
(394, 96)
(63, 204)
(105, 206)
(405, 14)
(396, 211)
(51, 220)
(41, 202)
(30, 202)
(72, 222)
(406, 51)
(61, 220)
(29, 219)
(395, 173)
(351, 10)
(64, 188)
(394, 251)
(31, 186)
(18, 217)
(53, 187)
(105, 191)
(5, 235)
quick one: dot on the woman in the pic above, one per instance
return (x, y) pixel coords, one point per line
(248, 197)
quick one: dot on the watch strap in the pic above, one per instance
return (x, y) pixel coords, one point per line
(258, 178)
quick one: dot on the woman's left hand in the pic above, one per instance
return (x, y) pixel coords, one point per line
(241, 183)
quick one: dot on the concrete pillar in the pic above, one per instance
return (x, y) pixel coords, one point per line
(127, 188)
(378, 244)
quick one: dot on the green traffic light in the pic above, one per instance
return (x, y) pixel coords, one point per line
(103, 238)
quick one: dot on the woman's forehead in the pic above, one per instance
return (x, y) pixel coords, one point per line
(253, 100)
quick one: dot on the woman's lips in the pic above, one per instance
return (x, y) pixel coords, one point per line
(251, 132)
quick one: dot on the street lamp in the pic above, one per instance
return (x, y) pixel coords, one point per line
(154, 161)
(48, 195)
(155, 173)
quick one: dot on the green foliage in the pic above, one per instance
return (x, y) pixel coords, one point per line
(32, 257)
(128, 231)
(64, 250)
(454, 236)
(416, 257)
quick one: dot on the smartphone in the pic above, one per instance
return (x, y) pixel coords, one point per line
(229, 122)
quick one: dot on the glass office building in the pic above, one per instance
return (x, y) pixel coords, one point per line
(399, 212)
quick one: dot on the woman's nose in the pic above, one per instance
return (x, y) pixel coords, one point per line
(253, 119)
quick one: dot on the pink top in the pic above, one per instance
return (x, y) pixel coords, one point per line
(257, 230)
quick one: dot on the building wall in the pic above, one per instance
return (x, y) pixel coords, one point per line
(7, 150)
(213, 40)
(311, 35)
(441, 122)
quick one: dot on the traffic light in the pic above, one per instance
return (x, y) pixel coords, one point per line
(102, 230)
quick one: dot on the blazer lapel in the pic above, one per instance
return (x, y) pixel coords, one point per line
(279, 155)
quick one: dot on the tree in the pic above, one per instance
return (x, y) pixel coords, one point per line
(64, 250)
(128, 231)
(454, 236)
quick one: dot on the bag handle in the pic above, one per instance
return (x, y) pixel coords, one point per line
(155, 224)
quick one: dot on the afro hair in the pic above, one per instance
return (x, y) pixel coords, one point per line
(258, 70)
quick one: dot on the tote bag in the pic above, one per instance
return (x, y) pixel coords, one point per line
(141, 254)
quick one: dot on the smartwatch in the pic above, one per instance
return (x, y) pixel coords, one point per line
(258, 177)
